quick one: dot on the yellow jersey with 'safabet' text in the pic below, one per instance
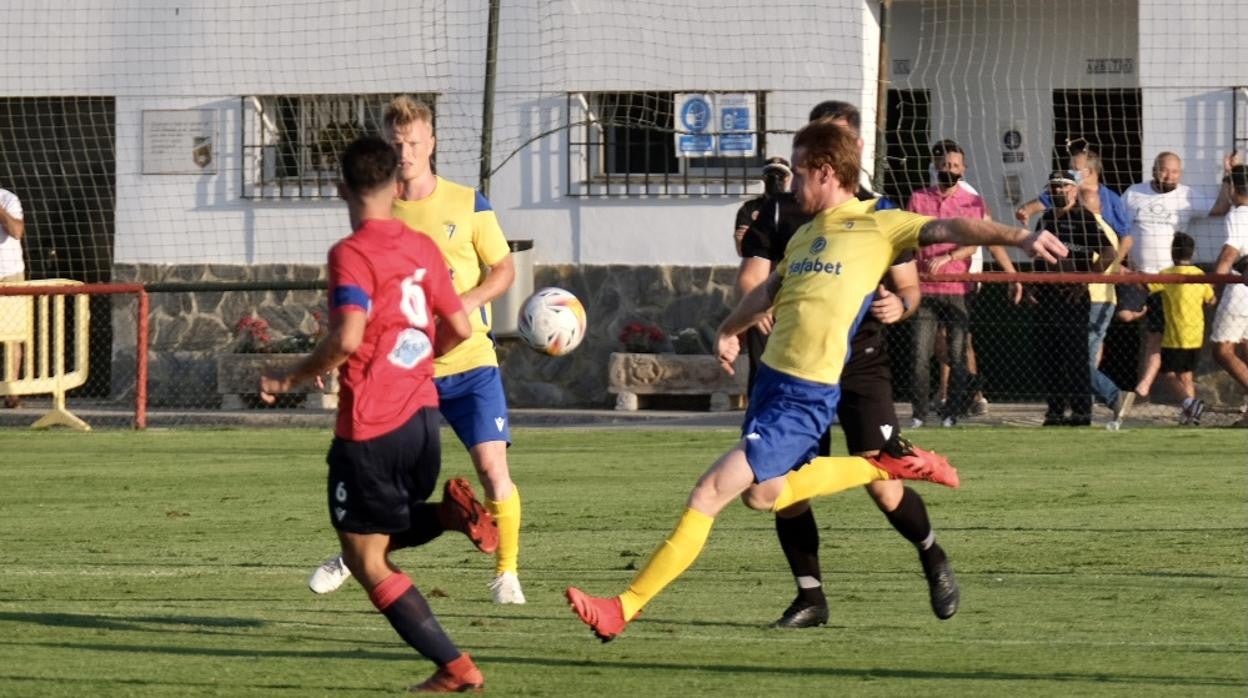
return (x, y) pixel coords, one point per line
(460, 220)
(829, 275)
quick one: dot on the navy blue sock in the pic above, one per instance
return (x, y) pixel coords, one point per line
(410, 616)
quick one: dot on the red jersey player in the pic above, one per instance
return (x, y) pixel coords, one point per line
(386, 287)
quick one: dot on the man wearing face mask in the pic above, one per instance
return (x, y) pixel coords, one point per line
(1157, 209)
(1088, 172)
(943, 304)
(1062, 309)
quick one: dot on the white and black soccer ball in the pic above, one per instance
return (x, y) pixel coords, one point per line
(552, 321)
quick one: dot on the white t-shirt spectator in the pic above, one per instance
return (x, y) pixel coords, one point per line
(10, 247)
(1155, 218)
(1236, 295)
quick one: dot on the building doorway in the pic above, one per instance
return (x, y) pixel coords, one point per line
(57, 154)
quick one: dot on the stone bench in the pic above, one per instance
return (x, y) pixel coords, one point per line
(631, 377)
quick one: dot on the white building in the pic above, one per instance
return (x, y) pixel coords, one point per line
(987, 67)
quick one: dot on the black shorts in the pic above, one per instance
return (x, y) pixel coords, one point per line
(1132, 297)
(374, 483)
(1155, 320)
(866, 404)
(1179, 360)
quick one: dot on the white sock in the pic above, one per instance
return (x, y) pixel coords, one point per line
(808, 582)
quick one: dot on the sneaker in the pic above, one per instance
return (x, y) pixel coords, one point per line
(948, 422)
(1122, 405)
(465, 514)
(942, 586)
(916, 423)
(1197, 409)
(332, 574)
(506, 589)
(979, 408)
(803, 614)
(604, 616)
(906, 461)
(460, 676)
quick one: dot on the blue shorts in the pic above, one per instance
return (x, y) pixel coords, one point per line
(785, 420)
(474, 404)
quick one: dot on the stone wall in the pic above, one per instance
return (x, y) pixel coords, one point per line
(673, 298)
(188, 329)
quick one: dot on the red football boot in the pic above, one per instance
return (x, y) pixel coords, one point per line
(604, 616)
(460, 676)
(906, 461)
(462, 512)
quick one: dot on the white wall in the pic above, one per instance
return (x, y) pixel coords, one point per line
(1191, 54)
(200, 55)
(993, 65)
(989, 65)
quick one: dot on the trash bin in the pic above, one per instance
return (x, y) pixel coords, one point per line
(506, 308)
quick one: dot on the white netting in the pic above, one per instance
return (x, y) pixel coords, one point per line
(196, 142)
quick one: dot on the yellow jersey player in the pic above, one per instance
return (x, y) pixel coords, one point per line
(470, 389)
(818, 294)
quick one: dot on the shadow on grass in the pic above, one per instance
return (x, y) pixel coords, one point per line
(83, 620)
(485, 658)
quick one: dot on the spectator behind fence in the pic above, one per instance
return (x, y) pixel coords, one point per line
(1157, 209)
(1062, 309)
(943, 305)
(1089, 175)
(1229, 335)
(12, 268)
(978, 404)
(1103, 298)
(1184, 333)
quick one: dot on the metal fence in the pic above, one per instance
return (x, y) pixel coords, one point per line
(193, 356)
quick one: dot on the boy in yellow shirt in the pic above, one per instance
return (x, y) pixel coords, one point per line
(1184, 333)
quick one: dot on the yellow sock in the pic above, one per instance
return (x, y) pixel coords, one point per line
(667, 561)
(827, 475)
(506, 513)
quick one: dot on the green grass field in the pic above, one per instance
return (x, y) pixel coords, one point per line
(173, 563)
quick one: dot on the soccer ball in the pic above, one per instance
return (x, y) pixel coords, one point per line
(552, 321)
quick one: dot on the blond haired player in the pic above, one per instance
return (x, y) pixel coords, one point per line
(470, 389)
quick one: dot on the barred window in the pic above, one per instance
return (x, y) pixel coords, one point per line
(292, 143)
(624, 144)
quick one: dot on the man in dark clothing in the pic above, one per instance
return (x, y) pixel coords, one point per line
(1062, 309)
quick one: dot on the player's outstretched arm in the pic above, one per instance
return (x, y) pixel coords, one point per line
(346, 331)
(973, 231)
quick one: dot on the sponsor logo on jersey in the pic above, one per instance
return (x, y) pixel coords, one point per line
(818, 245)
(449, 229)
(500, 422)
(814, 266)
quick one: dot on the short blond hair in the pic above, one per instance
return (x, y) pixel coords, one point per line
(404, 110)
